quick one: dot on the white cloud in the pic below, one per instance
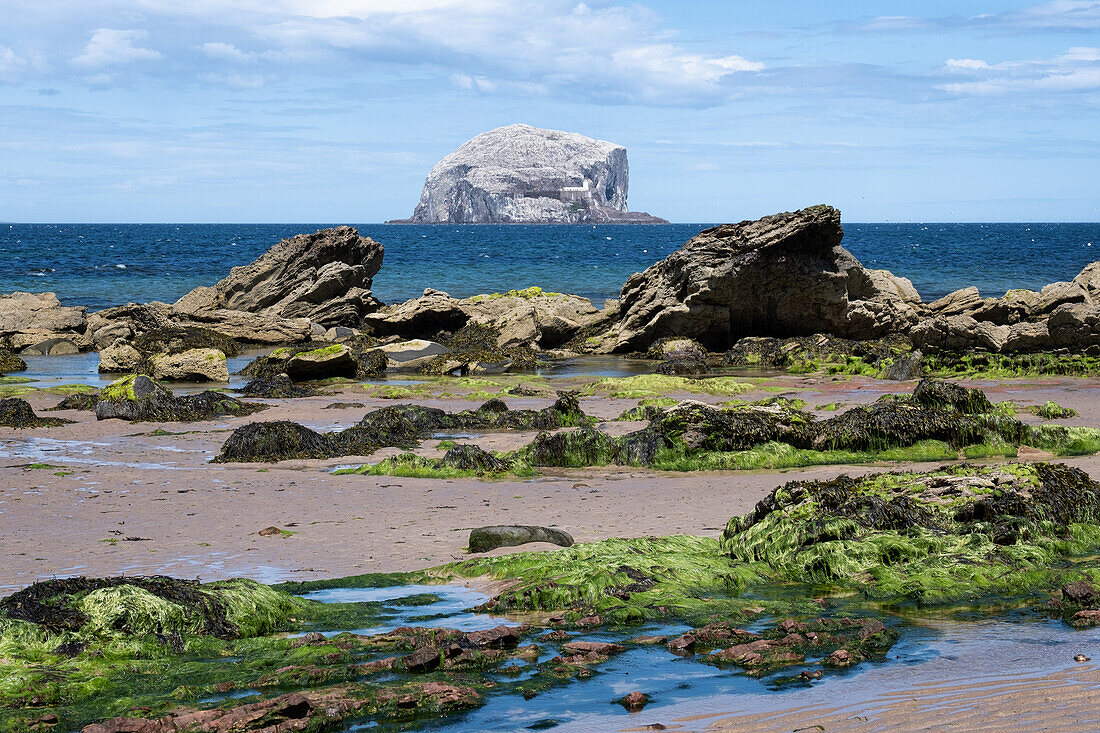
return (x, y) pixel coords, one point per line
(12, 65)
(965, 65)
(1078, 69)
(110, 47)
(226, 52)
(1058, 15)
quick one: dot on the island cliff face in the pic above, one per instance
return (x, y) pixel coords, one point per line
(525, 175)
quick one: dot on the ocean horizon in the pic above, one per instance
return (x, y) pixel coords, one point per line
(103, 265)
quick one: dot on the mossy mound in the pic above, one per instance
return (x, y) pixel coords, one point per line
(644, 386)
(137, 398)
(367, 361)
(83, 401)
(279, 440)
(1053, 411)
(460, 461)
(476, 345)
(935, 423)
(93, 609)
(957, 532)
(9, 362)
(398, 426)
(17, 413)
(279, 386)
(804, 354)
(980, 364)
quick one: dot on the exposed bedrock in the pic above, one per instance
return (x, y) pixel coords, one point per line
(293, 292)
(37, 323)
(787, 275)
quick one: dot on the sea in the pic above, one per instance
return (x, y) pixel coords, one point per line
(103, 265)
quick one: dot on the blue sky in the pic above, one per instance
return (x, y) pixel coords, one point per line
(335, 110)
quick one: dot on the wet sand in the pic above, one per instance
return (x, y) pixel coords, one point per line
(124, 501)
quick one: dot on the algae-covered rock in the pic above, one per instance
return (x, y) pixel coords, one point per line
(138, 398)
(279, 386)
(484, 539)
(17, 413)
(9, 362)
(324, 363)
(354, 358)
(278, 440)
(476, 349)
(958, 531)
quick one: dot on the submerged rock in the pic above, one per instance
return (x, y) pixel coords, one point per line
(484, 539)
(523, 174)
(137, 398)
(17, 413)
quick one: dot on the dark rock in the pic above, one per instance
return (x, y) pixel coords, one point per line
(422, 660)
(279, 386)
(17, 413)
(137, 398)
(782, 275)
(1080, 593)
(279, 440)
(904, 368)
(634, 701)
(9, 362)
(484, 539)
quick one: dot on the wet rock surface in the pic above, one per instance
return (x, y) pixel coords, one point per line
(484, 539)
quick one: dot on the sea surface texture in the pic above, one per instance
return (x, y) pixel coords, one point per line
(102, 265)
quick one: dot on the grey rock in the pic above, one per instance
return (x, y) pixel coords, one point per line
(323, 363)
(520, 173)
(956, 303)
(958, 333)
(192, 365)
(325, 277)
(339, 332)
(52, 347)
(408, 355)
(27, 319)
(484, 539)
(781, 275)
(120, 358)
(904, 368)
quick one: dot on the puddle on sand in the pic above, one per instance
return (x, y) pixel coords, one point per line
(449, 611)
(36, 449)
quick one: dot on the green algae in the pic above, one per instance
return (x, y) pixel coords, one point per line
(529, 293)
(1063, 440)
(961, 532)
(660, 385)
(460, 461)
(984, 365)
(1052, 411)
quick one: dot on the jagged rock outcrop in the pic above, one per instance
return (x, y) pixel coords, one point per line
(782, 275)
(523, 174)
(529, 317)
(291, 293)
(1063, 315)
(30, 319)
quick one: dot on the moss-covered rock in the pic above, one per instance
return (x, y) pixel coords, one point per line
(9, 362)
(802, 354)
(137, 398)
(17, 413)
(957, 532)
(354, 358)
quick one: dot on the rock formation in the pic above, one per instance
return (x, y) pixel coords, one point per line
(31, 319)
(529, 317)
(294, 291)
(779, 276)
(523, 174)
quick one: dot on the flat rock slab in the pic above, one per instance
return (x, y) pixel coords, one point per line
(484, 539)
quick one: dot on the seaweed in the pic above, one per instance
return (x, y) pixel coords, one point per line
(478, 344)
(9, 362)
(278, 386)
(278, 440)
(137, 398)
(17, 413)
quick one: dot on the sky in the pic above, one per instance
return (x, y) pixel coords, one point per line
(335, 110)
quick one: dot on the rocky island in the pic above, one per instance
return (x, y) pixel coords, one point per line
(521, 174)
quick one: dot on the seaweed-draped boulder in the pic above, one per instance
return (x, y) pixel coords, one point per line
(9, 362)
(17, 413)
(137, 398)
(783, 275)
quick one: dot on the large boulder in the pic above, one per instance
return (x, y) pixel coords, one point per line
(193, 365)
(783, 275)
(9, 362)
(28, 319)
(137, 398)
(325, 277)
(132, 320)
(520, 173)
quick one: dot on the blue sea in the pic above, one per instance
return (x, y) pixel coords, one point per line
(101, 265)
